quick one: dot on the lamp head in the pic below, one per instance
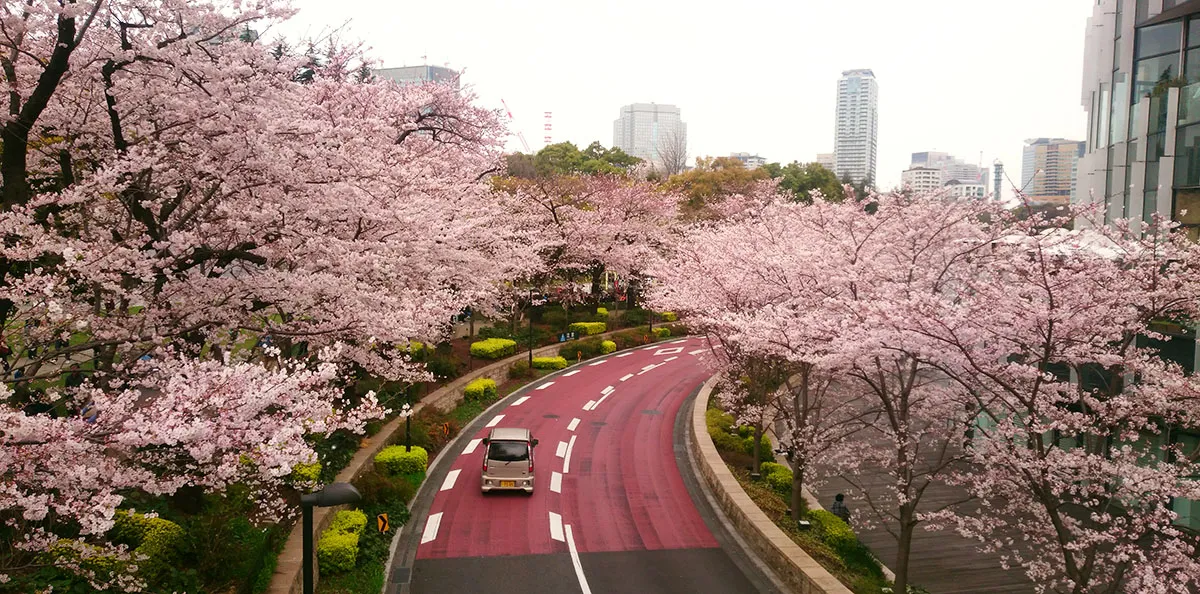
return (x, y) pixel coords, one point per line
(332, 495)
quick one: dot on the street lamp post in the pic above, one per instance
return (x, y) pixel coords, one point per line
(531, 327)
(332, 495)
(406, 412)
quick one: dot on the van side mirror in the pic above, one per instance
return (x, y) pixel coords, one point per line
(533, 442)
(486, 440)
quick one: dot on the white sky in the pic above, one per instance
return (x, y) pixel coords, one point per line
(961, 76)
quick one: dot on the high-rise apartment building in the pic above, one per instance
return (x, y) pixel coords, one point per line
(415, 75)
(652, 131)
(1048, 169)
(827, 160)
(855, 140)
(922, 179)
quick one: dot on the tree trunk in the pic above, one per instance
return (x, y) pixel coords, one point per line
(904, 548)
(597, 284)
(757, 449)
(797, 490)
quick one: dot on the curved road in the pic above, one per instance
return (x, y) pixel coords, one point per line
(611, 510)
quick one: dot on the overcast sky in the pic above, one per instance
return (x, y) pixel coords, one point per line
(961, 76)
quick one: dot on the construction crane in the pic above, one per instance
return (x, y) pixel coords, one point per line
(520, 136)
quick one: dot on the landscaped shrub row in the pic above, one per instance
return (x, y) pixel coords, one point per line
(778, 477)
(337, 550)
(480, 389)
(549, 363)
(661, 332)
(395, 460)
(607, 347)
(493, 348)
(588, 328)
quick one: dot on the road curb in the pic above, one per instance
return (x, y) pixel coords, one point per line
(799, 572)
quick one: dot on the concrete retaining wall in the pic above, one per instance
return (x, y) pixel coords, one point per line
(800, 572)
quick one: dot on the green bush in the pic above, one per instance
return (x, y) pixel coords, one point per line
(378, 488)
(607, 347)
(765, 454)
(635, 317)
(588, 328)
(395, 461)
(442, 367)
(306, 473)
(349, 520)
(337, 552)
(833, 531)
(481, 390)
(519, 369)
(585, 348)
(494, 332)
(549, 363)
(554, 317)
(718, 423)
(493, 348)
(780, 481)
(769, 468)
(160, 541)
(601, 313)
(669, 316)
(661, 333)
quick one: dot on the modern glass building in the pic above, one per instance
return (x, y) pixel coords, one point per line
(1141, 90)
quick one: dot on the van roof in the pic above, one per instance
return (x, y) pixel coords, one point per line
(510, 433)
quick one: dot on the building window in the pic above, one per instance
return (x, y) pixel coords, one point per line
(1119, 127)
(1186, 211)
(1102, 121)
(1127, 191)
(1187, 157)
(1141, 11)
(1193, 39)
(1158, 39)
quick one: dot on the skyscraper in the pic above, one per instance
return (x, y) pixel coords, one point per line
(855, 140)
(653, 132)
(998, 180)
(415, 75)
(1048, 168)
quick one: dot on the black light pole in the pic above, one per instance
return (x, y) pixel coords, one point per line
(530, 327)
(406, 412)
(330, 496)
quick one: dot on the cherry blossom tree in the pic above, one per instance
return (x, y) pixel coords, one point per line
(170, 185)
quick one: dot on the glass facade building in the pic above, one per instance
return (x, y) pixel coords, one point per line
(1141, 90)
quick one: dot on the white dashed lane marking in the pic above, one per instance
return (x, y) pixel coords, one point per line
(520, 400)
(573, 425)
(556, 482)
(589, 405)
(624, 355)
(679, 341)
(607, 391)
(570, 373)
(669, 359)
(600, 362)
(495, 421)
(556, 529)
(431, 528)
(450, 478)
(696, 352)
(626, 376)
(471, 445)
(546, 385)
(562, 449)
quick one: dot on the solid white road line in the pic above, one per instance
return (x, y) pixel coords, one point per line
(624, 355)
(647, 368)
(570, 373)
(573, 425)
(607, 391)
(545, 385)
(670, 359)
(589, 405)
(556, 482)
(520, 400)
(601, 401)
(567, 459)
(450, 478)
(471, 445)
(626, 376)
(696, 352)
(495, 421)
(598, 363)
(679, 341)
(431, 528)
(575, 560)
(556, 528)
(562, 449)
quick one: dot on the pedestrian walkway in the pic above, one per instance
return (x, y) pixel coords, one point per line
(942, 561)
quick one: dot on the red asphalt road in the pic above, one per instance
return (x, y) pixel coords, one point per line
(623, 490)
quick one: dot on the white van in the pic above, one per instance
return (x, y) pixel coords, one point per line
(508, 460)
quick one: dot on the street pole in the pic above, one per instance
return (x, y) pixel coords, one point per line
(406, 412)
(530, 328)
(307, 548)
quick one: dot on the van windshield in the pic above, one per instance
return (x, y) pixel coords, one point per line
(508, 451)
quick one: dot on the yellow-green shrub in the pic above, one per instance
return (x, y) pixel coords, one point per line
(602, 313)
(669, 316)
(306, 473)
(493, 348)
(349, 520)
(718, 423)
(160, 541)
(549, 363)
(833, 531)
(607, 347)
(394, 460)
(337, 552)
(765, 453)
(480, 390)
(588, 328)
(661, 332)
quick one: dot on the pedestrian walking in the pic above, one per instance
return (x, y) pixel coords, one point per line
(839, 508)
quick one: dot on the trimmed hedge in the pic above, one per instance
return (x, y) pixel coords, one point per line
(765, 454)
(481, 390)
(588, 328)
(160, 541)
(337, 552)
(306, 473)
(669, 316)
(833, 531)
(607, 347)
(549, 363)
(395, 461)
(602, 313)
(493, 348)
(349, 520)
(661, 333)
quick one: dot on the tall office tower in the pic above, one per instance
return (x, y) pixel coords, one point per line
(855, 140)
(1048, 169)
(653, 132)
(998, 180)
